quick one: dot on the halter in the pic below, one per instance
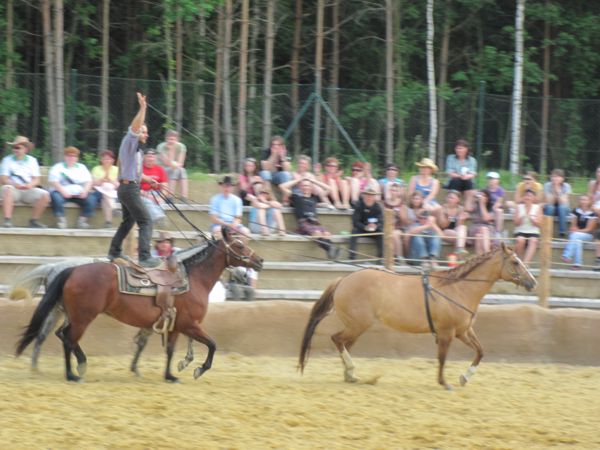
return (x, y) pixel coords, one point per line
(515, 276)
(229, 251)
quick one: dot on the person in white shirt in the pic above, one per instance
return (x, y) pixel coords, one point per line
(71, 181)
(20, 177)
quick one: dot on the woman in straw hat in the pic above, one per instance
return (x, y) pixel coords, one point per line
(426, 184)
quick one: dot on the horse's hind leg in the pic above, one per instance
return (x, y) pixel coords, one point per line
(343, 341)
(68, 348)
(471, 340)
(140, 339)
(189, 356)
(77, 350)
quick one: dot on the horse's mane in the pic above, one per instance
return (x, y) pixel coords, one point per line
(192, 256)
(462, 271)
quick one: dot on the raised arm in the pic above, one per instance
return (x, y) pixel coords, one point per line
(140, 117)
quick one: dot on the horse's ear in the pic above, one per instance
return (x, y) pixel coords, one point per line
(225, 233)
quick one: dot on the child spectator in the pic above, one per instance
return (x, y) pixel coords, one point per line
(360, 179)
(527, 222)
(246, 180)
(20, 177)
(462, 168)
(395, 202)
(423, 232)
(556, 193)
(367, 218)
(303, 172)
(451, 220)
(339, 191)
(497, 197)
(105, 179)
(426, 184)
(482, 220)
(305, 209)
(583, 224)
(265, 214)
(529, 182)
(391, 177)
(71, 181)
(172, 157)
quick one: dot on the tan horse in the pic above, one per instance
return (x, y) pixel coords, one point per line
(399, 301)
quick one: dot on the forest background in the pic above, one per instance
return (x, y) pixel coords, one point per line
(229, 74)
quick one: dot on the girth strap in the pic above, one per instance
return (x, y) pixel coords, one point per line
(426, 291)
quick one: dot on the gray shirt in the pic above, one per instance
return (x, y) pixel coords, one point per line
(130, 161)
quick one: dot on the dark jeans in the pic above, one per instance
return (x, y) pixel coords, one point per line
(134, 211)
(58, 204)
(354, 240)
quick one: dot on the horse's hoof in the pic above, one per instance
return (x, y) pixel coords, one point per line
(448, 387)
(351, 378)
(74, 378)
(181, 365)
(463, 380)
(198, 371)
(171, 379)
(82, 369)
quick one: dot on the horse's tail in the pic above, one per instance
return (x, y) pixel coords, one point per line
(50, 299)
(321, 308)
(28, 285)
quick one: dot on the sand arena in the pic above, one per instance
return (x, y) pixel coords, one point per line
(538, 386)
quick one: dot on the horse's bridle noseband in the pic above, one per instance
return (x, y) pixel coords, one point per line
(229, 251)
(516, 278)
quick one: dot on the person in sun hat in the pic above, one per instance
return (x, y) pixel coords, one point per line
(225, 209)
(164, 245)
(20, 177)
(367, 218)
(426, 184)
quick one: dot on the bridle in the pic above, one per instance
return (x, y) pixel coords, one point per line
(230, 252)
(515, 276)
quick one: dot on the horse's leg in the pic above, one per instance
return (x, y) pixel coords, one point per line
(170, 349)
(140, 339)
(199, 335)
(443, 341)
(470, 338)
(189, 356)
(344, 340)
(77, 350)
(68, 349)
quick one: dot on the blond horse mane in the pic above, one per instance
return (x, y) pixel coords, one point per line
(462, 271)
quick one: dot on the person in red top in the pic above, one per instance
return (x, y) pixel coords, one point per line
(151, 192)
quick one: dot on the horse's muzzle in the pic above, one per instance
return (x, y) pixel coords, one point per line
(258, 264)
(530, 285)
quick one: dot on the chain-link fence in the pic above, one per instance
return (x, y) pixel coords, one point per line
(573, 132)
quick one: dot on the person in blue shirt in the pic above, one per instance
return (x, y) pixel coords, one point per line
(226, 209)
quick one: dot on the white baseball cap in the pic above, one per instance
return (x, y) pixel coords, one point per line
(495, 175)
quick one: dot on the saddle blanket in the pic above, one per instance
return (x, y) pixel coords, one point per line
(131, 281)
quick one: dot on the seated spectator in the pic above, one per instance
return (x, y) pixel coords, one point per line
(339, 191)
(359, 180)
(225, 210)
(20, 178)
(275, 165)
(172, 157)
(154, 183)
(582, 228)
(451, 220)
(242, 283)
(529, 182)
(105, 180)
(164, 246)
(367, 219)
(71, 181)
(426, 183)
(303, 172)
(246, 180)
(497, 194)
(395, 202)
(462, 168)
(482, 222)
(423, 233)
(265, 215)
(527, 220)
(305, 209)
(556, 198)
(391, 177)
(594, 195)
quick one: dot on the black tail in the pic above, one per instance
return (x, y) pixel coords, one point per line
(52, 296)
(321, 308)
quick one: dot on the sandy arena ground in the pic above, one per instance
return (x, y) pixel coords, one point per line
(258, 401)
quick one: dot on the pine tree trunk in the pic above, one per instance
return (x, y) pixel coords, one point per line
(59, 78)
(104, 93)
(268, 74)
(545, 97)
(331, 131)
(227, 110)
(179, 71)
(167, 30)
(443, 79)
(318, 79)
(295, 74)
(517, 99)
(216, 112)
(431, 82)
(401, 138)
(243, 90)
(199, 109)
(389, 80)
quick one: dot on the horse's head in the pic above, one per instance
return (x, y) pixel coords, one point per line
(514, 270)
(237, 252)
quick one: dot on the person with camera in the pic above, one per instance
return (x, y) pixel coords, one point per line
(275, 165)
(423, 233)
(367, 220)
(305, 209)
(482, 222)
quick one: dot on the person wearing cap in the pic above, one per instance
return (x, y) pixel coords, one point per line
(497, 198)
(426, 184)
(556, 199)
(20, 177)
(462, 168)
(391, 177)
(226, 209)
(171, 155)
(367, 221)
(153, 185)
(133, 208)
(71, 181)
(164, 245)
(105, 180)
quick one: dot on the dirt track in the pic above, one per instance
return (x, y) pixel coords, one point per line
(260, 401)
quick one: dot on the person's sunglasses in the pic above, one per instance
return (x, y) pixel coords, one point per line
(356, 170)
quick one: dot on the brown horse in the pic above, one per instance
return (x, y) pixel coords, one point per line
(443, 302)
(91, 289)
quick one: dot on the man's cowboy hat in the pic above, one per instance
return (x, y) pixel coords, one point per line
(369, 190)
(426, 162)
(22, 140)
(164, 236)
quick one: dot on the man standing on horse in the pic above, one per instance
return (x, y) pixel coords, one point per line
(130, 176)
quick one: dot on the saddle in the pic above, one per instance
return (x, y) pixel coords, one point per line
(163, 283)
